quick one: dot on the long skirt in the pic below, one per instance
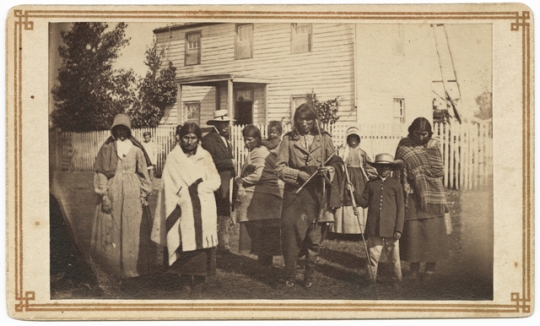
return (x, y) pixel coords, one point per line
(345, 219)
(424, 240)
(261, 238)
(347, 222)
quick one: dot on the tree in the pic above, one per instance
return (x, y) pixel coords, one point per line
(327, 110)
(157, 90)
(485, 110)
(90, 92)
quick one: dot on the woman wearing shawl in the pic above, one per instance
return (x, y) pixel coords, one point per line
(424, 236)
(360, 173)
(186, 216)
(120, 241)
(259, 201)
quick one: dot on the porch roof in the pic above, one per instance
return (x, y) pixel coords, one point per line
(215, 80)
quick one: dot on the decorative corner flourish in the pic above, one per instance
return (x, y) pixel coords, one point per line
(521, 21)
(23, 20)
(522, 304)
(24, 301)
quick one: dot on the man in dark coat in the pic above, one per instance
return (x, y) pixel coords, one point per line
(218, 145)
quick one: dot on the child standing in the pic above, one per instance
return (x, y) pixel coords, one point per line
(359, 173)
(150, 148)
(386, 213)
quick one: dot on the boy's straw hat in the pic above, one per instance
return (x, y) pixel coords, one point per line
(386, 159)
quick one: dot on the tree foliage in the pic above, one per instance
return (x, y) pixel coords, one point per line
(327, 111)
(158, 90)
(485, 110)
(91, 92)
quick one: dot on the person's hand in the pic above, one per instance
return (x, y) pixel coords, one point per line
(303, 176)
(325, 171)
(238, 181)
(350, 187)
(397, 235)
(144, 202)
(106, 204)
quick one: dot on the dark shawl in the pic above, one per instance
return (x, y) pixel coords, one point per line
(107, 157)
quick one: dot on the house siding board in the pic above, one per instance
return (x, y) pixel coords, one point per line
(327, 69)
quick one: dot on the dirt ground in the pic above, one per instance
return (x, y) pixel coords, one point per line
(341, 270)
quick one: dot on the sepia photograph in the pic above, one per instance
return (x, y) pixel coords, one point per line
(302, 157)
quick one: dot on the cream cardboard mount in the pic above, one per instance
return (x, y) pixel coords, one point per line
(386, 64)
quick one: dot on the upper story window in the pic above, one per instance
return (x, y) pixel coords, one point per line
(244, 41)
(399, 110)
(193, 49)
(398, 44)
(301, 38)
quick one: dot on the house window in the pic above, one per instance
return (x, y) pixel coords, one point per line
(301, 35)
(192, 112)
(193, 49)
(399, 110)
(398, 45)
(244, 41)
(297, 100)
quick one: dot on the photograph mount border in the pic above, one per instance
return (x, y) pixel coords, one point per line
(520, 301)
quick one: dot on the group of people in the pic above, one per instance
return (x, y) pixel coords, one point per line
(290, 191)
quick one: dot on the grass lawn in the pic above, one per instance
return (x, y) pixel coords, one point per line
(341, 270)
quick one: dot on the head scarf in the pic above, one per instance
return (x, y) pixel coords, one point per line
(107, 157)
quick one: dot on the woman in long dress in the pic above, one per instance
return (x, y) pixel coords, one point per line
(259, 201)
(424, 236)
(120, 242)
(360, 173)
(186, 216)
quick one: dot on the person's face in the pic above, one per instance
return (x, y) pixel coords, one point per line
(189, 142)
(353, 141)
(305, 125)
(223, 128)
(273, 133)
(147, 138)
(250, 142)
(420, 137)
(384, 170)
(122, 132)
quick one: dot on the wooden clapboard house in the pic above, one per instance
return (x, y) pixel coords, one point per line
(263, 71)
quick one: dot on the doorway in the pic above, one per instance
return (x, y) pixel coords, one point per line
(244, 113)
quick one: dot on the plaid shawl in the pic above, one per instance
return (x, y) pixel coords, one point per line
(422, 174)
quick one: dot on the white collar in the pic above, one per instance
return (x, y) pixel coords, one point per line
(123, 147)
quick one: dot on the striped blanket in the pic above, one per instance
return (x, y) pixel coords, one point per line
(423, 171)
(186, 216)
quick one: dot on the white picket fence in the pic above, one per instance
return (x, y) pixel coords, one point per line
(467, 148)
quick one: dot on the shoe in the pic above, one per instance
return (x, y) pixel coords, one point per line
(308, 283)
(289, 284)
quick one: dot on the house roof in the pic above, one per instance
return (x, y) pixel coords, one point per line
(181, 26)
(212, 80)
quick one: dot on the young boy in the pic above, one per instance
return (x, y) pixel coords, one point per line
(150, 148)
(386, 214)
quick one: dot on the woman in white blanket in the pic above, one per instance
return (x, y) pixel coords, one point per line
(186, 219)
